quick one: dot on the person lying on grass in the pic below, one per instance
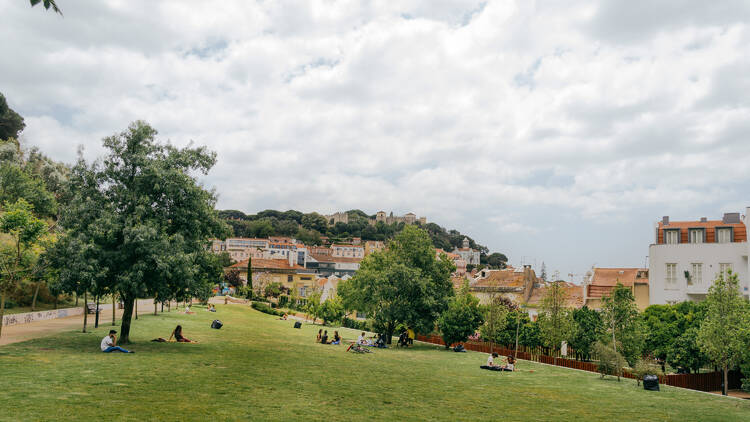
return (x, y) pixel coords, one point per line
(177, 334)
(109, 344)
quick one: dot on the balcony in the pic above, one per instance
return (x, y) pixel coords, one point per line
(697, 288)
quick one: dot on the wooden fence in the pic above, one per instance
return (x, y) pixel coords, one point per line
(703, 382)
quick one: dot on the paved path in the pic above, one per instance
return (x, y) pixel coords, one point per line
(23, 332)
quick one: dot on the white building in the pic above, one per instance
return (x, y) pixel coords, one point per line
(688, 255)
(470, 256)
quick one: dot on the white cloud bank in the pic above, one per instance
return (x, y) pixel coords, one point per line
(550, 130)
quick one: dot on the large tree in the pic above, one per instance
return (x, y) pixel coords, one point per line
(555, 318)
(462, 318)
(11, 123)
(145, 218)
(724, 335)
(622, 323)
(587, 328)
(404, 284)
(22, 234)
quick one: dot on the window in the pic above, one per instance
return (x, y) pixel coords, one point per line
(671, 276)
(724, 269)
(290, 278)
(696, 235)
(696, 276)
(671, 237)
(724, 235)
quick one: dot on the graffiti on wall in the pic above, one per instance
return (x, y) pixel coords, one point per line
(28, 317)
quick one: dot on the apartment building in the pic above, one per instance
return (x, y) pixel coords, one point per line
(687, 256)
(347, 251)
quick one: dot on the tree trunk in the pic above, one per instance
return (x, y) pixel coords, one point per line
(85, 310)
(127, 315)
(76, 299)
(169, 306)
(725, 390)
(156, 309)
(136, 308)
(36, 293)
(114, 309)
(2, 312)
(56, 296)
(96, 317)
(162, 307)
(389, 333)
(518, 324)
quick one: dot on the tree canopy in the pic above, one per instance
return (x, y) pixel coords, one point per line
(404, 284)
(725, 333)
(142, 220)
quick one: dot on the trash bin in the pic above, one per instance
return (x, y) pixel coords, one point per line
(651, 383)
(297, 324)
(216, 324)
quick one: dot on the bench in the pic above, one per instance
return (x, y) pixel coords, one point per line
(91, 308)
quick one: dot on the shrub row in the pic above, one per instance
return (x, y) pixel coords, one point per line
(356, 324)
(263, 307)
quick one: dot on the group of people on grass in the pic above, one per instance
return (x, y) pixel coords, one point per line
(323, 337)
(507, 364)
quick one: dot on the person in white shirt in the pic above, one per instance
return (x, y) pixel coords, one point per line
(491, 360)
(109, 343)
(361, 339)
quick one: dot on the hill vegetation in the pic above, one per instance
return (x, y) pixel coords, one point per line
(309, 228)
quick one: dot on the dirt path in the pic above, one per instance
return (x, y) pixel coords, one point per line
(23, 332)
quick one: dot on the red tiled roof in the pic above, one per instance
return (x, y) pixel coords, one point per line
(625, 276)
(574, 294)
(740, 235)
(501, 278)
(268, 264)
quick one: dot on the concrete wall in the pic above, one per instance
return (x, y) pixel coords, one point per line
(684, 255)
(25, 318)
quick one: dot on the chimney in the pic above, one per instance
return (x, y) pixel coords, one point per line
(665, 220)
(704, 219)
(731, 218)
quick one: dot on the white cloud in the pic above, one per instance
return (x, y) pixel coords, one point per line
(528, 125)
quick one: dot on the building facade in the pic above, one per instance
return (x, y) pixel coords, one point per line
(470, 256)
(687, 256)
(600, 282)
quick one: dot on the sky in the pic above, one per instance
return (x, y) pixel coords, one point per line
(551, 131)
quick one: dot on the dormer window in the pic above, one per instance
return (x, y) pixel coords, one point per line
(724, 235)
(696, 235)
(672, 236)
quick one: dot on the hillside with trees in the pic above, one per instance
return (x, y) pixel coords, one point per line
(309, 228)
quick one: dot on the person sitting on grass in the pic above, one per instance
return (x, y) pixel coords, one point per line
(320, 335)
(491, 360)
(361, 339)
(336, 338)
(284, 317)
(187, 310)
(177, 334)
(324, 339)
(109, 344)
(511, 365)
(403, 339)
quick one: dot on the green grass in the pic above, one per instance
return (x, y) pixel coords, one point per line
(260, 368)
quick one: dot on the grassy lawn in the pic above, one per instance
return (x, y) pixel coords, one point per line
(260, 368)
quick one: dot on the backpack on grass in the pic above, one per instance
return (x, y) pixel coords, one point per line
(217, 324)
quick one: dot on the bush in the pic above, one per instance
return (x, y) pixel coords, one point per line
(645, 367)
(353, 323)
(263, 307)
(273, 305)
(610, 361)
(283, 300)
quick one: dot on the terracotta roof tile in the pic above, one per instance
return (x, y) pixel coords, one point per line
(268, 264)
